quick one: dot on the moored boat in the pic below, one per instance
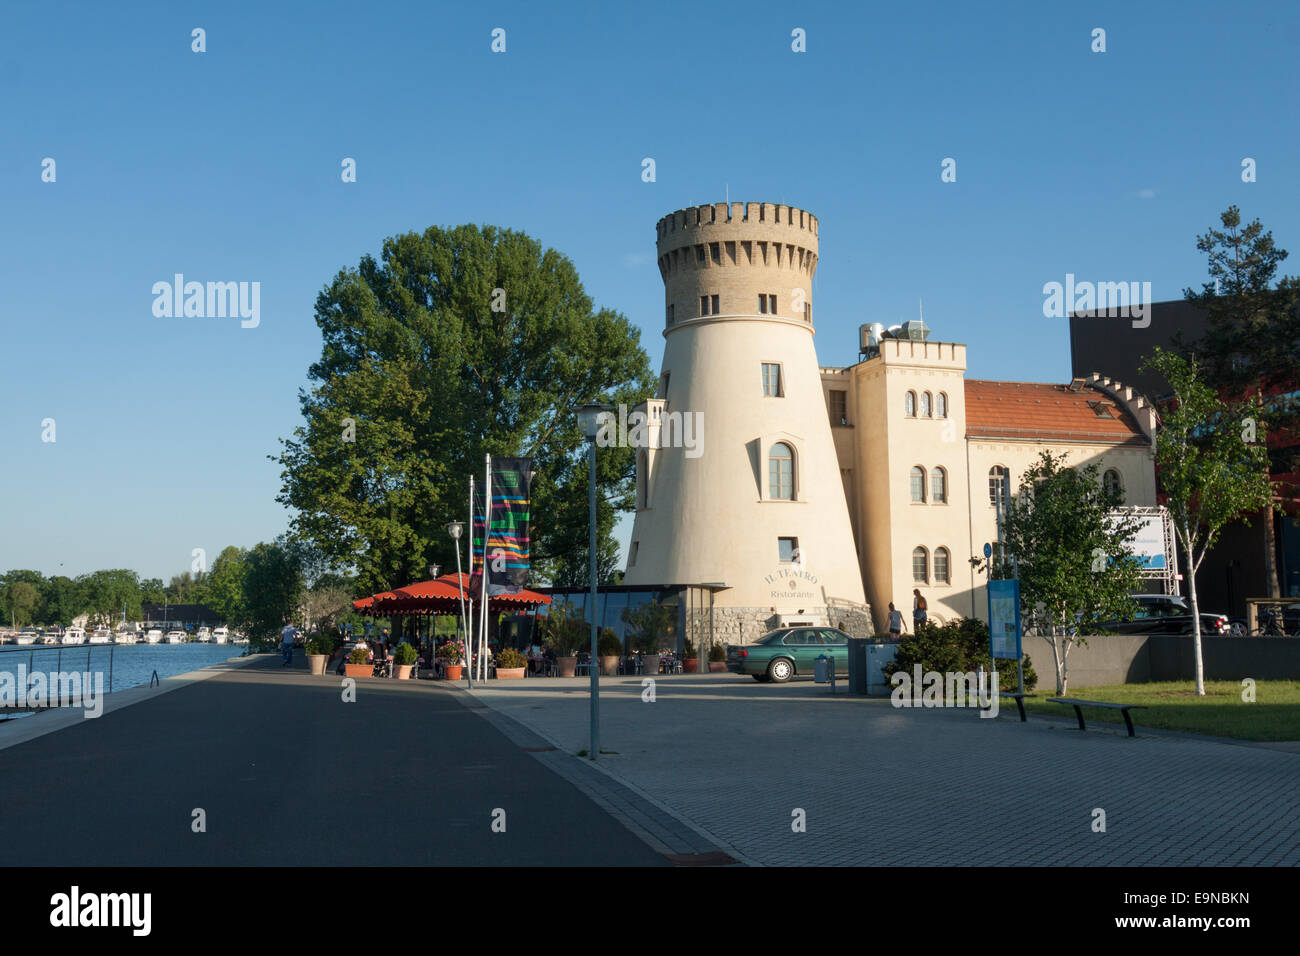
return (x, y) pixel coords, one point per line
(175, 636)
(74, 635)
(126, 637)
(221, 635)
(203, 635)
(100, 635)
(27, 635)
(153, 636)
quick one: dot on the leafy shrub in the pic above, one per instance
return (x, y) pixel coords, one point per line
(359, 655)
(956, 647)
(688, 649)
(609, 645)
(405, 654)
(509, 657)
(718, 652)
(563, 633)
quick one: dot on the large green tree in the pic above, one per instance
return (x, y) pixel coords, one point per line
(272, 583)
(226, 585)
(457, 343)
(1252, 346)
(1064, 538)
(103, 594)
(1209, 472)
(21, 601)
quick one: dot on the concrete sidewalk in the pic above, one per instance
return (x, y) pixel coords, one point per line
(879, 785)
(282, 771)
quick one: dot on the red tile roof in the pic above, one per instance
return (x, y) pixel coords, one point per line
(1033, 410)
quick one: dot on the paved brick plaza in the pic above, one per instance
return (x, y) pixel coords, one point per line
(882, 786)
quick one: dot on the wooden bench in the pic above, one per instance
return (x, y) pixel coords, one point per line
(1078, 706)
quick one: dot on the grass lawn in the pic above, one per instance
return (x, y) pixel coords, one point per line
(1275, 714)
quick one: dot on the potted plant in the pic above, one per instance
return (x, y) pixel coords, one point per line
(608, 649)
(718, 659)
(565, 636)
(511, 664)
(650, 624)
(319, 649)
(690, 658)
(404, 658)
(358, 664)
(452, 655)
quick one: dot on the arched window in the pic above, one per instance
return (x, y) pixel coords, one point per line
(918, 483)
(940, 565)
(938, 486)
(920, 566)
(1110, 481)
(941, 405)
(925, 405)
(909, 404)
(780, 472)
(999, 478)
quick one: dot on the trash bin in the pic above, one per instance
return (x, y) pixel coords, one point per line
(858, 682)
(822, 669)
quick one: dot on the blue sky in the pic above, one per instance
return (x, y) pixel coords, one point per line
(225, 166)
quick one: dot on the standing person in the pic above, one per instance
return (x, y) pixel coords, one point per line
(919, 608)
(896, 625)
(287, 634)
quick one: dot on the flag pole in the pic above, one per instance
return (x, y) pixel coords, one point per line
(487, 529)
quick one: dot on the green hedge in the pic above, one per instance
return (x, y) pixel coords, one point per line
(956, 647)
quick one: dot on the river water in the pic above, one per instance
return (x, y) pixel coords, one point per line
(130, 664)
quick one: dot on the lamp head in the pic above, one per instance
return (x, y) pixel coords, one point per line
(591, 417)
(455, 529)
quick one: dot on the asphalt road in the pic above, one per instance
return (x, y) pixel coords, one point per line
(288, 774)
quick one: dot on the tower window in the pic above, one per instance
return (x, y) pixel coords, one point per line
(672, 314)
(772, 384)
(938, 492)
(704, 305)
(839, 407)
(771, 304)
(714, 254)
(920, 566)
(663, 385)
(780, 472)
(1110, 481)
(941, 405)
(786, 549)
(917, 483)
(925, 404)
(762, 304)
(909, 404)
(716, 310)
(631, 555)
(940, 565)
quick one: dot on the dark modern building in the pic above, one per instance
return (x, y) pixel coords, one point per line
(1234, 570)
(186, 615)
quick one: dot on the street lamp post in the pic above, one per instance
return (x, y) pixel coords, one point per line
(455, 529)
(590, 418)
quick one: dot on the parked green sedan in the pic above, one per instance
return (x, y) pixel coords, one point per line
(789, 652)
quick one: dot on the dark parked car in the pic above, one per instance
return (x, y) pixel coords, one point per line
(789, 652)
(1164, 614)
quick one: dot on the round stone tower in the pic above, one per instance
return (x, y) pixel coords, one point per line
(758, 502)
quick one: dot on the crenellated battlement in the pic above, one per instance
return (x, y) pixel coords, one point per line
(709, 216)
(757, 236)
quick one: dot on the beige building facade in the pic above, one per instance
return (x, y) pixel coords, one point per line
(823, 494)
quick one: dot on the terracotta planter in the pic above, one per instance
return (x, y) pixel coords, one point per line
(690, 665)
(511, 673)
(609, 666)
(358, 670)
(568, 666)
(317, 663)
(650, 665)
(402, 671)
(717, 667)
(453, 671)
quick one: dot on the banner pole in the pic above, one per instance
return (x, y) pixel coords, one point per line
(487, 532)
